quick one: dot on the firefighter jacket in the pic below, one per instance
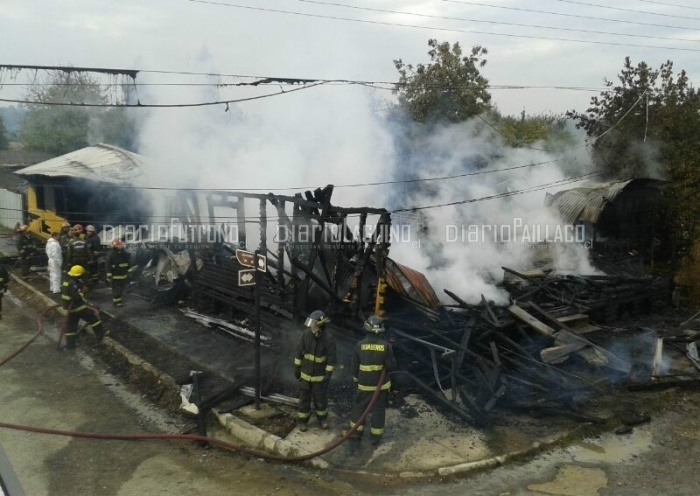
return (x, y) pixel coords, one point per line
(64, 240)
(94, 245)
(372, 355)
(25, 246)
(316, 356)
(117, 266)
(72, 296)
(78, 252)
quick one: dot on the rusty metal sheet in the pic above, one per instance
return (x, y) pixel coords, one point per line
(411, 283)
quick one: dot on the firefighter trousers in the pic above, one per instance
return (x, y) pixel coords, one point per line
(74, 319)
(378, 414)
(118, 287)
(316, 392)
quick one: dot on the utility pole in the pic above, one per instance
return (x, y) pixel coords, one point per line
(258, 378)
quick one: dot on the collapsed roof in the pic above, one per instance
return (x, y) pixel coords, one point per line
(586, 203)
(101, 162)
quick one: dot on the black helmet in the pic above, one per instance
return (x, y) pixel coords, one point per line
(374, 324)
(316, 320)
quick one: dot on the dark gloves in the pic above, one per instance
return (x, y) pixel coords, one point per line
(297, 373)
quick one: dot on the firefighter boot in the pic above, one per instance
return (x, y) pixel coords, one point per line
(99, 334)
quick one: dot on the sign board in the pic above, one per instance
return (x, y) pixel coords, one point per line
(245, 258)
(246, 277)
(262, 263)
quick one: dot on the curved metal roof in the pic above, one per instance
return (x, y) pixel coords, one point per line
(102, 162)
(410, 283)
(587, 203)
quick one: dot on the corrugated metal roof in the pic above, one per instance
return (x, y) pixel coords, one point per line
(586, 203)
(102, 162)
(410, 283)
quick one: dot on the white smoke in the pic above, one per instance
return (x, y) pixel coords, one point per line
(466, 245)
(333, 135)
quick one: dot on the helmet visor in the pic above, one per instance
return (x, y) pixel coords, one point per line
(310, 322)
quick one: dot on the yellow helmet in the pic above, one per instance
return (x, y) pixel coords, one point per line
(76, 271)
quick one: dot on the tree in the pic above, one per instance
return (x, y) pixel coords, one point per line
(448, 89)
(525, 130)
(64, 128)
(652, 119)
(4, 141)
(648, 113)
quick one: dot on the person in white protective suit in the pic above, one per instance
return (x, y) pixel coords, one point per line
(53, 251)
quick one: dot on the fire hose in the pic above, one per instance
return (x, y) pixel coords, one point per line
(189, 437)
(40, 329)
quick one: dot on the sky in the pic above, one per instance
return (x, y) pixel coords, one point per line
(335, 133)
(182, 35)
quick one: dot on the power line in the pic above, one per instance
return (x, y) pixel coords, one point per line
(248, 219)
(337, 186)
(539, 187)
(503, 23)
(413, 26)
(626, 10)
(578, 16)
(670, 4)
(157, 105)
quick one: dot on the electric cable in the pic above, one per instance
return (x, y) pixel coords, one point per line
(668, 4)
(158, 105)
(503, 23)
(578, 16)
(473, 200)
(622, 9)
(450, 30)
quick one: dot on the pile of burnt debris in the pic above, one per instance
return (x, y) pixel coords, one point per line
(549, 348)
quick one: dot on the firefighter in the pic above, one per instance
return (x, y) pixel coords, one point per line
(117, 268)
(4, 279)
(64, 239)
(73, 299)
(313, 366)
(78, 249)
(25, 249)
(371, 356)
(94, 246)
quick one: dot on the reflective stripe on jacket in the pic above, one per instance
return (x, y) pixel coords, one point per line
(316, 356)
(71, 297)
(372, 355)
(117, 266)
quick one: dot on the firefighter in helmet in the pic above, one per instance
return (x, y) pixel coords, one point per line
(73, 299)
(371, 357)
(117, 268)
(25, 250)
(313, 366)
(78, 249)
(64, 239)
(94, 246)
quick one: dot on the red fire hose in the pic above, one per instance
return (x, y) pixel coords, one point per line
(40, 329)
(189, 437)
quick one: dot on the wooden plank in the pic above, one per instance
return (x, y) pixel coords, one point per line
(523, 316)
